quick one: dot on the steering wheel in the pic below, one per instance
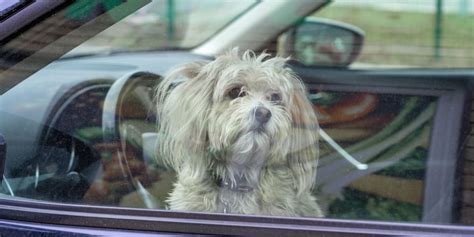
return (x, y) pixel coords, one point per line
(130, 97)
(128, 116)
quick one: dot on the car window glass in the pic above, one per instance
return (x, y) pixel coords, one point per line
(369, 149)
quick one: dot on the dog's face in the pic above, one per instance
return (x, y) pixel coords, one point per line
(246, 109)
(249, 115)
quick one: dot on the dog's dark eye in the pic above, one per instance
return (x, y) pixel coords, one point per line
(236, 92)
(275, 97)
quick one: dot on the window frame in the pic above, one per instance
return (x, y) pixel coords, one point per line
(207, 223)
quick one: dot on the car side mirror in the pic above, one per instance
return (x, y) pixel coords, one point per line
(322, 42)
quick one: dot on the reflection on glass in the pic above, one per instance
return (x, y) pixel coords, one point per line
(319, 44)
(166, 24)
(388, 132)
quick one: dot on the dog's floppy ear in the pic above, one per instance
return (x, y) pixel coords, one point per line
(304, 150)
(183, 104)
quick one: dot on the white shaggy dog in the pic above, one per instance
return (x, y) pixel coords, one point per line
(241, 136)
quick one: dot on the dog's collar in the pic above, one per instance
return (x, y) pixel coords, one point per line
(226, 183)
(236, 187)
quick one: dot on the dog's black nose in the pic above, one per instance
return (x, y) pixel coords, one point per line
(262, 114)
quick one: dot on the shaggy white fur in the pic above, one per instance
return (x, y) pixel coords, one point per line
(241, 135)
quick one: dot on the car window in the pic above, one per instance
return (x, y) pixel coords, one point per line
(401, 34)
(166, 24)
(138, 117)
